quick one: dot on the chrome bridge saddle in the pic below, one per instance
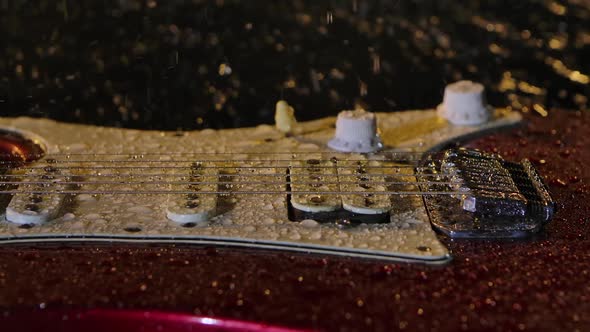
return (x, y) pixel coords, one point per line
(493, 198)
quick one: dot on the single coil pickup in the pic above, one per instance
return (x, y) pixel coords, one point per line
(195, 207)
(45, 204)
(339, 208)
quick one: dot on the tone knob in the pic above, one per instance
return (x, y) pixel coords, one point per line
(356, 131)
(464, 104)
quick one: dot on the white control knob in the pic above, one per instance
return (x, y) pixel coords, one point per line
(356, 131)
(464, 104)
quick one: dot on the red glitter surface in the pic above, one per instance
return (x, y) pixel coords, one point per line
(534, 284)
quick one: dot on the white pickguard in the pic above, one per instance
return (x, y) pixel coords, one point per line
(244, 220)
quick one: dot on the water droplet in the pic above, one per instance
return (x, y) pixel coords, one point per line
(309, 223)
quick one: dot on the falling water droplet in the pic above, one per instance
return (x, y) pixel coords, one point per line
(329, 17)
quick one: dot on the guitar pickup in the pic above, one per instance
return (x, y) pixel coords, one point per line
(488, 196)
(199, 204)
(314, 177)
(368, 180)
(344, 192)
(39, 199)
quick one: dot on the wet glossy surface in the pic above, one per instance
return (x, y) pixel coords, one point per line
(116, 320)
(194, 64)
(180, 64)
(540, 283)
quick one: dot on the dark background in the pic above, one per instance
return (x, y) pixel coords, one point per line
(195, 64)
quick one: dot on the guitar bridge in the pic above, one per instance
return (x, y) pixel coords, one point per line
(493, 198)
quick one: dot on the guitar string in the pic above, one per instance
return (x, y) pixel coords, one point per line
(238, 184)
(339, 166)
(222, 192)
(221, 169)
(234, 183)
(342, 164)
(40, 155)
(81, 170)
(148, 183)
(152, 175)
(8, 178)
(168, 159)
(405, 163)
(151, 181)
(139, 158)
(44, 167)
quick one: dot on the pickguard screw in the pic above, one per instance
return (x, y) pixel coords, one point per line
(343, 223)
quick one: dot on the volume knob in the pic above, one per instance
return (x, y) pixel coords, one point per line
(464, 104)
(356, 131)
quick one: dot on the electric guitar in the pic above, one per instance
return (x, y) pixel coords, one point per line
(256, 187)
(111, 192)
